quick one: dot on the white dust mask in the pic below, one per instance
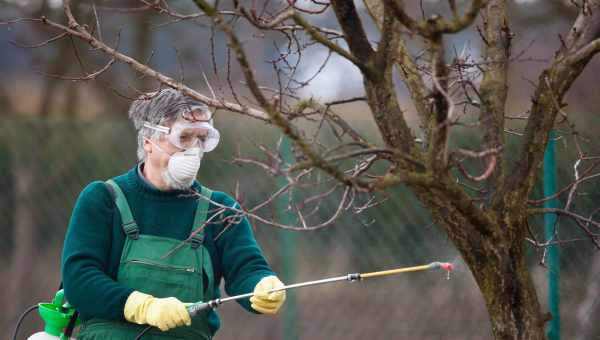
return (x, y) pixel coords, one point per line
(182, 168)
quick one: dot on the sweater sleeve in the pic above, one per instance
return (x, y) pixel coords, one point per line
(85, 257)
(242, 260)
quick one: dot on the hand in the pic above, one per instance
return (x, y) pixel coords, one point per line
(268, 303)
(166, 313)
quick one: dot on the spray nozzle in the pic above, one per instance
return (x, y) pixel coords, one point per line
(447, 266)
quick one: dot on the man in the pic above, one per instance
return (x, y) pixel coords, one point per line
(143, 244)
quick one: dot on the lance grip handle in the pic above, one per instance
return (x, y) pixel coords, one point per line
(196, 308)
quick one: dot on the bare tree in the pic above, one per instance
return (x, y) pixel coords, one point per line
(487, 215)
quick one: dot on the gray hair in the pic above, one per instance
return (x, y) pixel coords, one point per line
(161, 107)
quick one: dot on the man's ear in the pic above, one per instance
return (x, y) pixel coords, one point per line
(147, 146)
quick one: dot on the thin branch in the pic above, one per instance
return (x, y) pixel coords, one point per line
(80, 32)
(584, 177)
(537, 211)
(318, 37)
(41, 44)
(276, 117)
(345, 101)
(491, 154)
(89, 76)
(436, 25)
(309, 164)
(98, 28)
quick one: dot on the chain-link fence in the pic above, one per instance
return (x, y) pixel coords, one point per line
(45, 163)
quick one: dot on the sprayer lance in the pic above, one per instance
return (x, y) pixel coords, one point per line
(195, 308)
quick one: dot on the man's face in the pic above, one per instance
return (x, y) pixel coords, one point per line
(154, 156)
(160, 160)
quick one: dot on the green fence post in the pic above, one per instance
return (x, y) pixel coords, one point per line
(288, 251)
(552, 256)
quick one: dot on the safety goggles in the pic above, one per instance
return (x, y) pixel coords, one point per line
(186, 135)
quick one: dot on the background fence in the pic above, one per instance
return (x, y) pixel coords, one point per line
(44, 164)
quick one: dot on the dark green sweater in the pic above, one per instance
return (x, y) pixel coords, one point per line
(95, 239)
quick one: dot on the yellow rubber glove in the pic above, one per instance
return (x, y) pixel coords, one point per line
(268, 303)
(164, 313)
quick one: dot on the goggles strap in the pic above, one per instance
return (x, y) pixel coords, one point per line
(158, 128)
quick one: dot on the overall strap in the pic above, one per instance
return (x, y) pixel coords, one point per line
(200, 217)
(130, 228)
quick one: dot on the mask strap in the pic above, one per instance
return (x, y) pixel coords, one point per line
(158, 146)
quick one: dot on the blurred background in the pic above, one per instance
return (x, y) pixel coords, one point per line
(56, 136)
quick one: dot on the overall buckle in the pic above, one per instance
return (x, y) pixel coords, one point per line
(132, 230)
(196, 241)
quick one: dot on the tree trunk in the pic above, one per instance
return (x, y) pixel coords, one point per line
(501, 272)
(494, 250)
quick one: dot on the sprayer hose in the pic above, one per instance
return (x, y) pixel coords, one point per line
(139, 336)
(16, 332)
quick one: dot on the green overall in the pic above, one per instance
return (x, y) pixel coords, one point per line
(161, 267)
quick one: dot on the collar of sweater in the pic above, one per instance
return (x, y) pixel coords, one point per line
(134, 181)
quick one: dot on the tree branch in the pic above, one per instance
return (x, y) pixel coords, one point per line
(493, 91)
(553, 84)
(585, 53)
(438, 124)
(352, 27)
(378, 82)
(442, 193)
(76, 30)
(537, 211)
(318, 37)
(585, 29)
(409, 71)
(435, 25)
(275, 116)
